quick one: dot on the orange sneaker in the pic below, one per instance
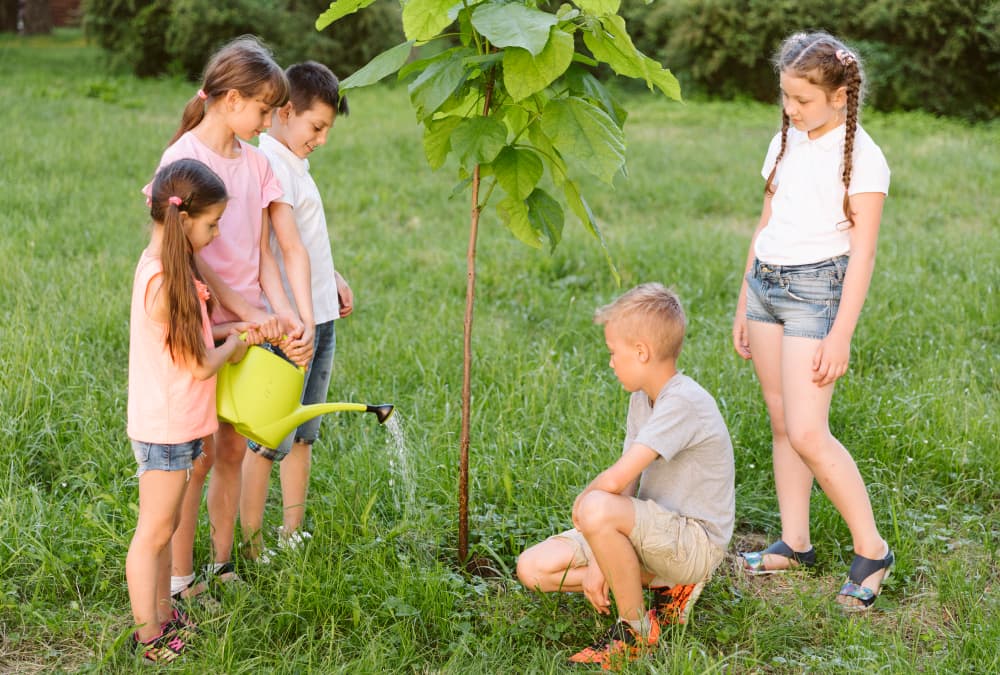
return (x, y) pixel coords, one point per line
(673, 604)
(619, 644)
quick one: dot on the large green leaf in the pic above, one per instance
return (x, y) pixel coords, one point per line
(614, 46)
(534, 220)
(339, 10)
(437, 140)
(513, 25)
(478, 140)
(518, 171)
(598, 7)
(433, 86)
(424, 19)
(525, 74)
(386, 63)
(585, 135)
(579, 206)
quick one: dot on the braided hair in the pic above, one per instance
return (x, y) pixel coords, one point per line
(826, 62)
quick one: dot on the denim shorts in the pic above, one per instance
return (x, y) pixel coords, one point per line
(165, 456)
(802, 298)
(317, 384)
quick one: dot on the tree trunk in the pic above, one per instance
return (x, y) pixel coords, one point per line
(37, 17)
(470, 296)
(8, 16)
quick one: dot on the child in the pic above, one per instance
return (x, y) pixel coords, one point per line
(297, 129)
(673, 532)
(171, 394)
(242, 86)
(806, 278)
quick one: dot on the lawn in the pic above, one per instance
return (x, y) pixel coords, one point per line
(378, 590)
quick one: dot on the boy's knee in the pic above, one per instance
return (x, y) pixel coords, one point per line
(528, 568)
(594, 510)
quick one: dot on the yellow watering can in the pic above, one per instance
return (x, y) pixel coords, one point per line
(261, 397)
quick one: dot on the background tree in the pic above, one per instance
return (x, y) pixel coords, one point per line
(37, 16)
(511, 97)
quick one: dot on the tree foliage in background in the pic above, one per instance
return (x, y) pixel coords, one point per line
(507, 93)
(156, 37)
(942, 56)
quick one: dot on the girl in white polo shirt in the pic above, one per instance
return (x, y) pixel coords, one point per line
(807, 275)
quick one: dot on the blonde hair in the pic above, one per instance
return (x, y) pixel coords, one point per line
(244, 64)
(650, 312)
(826, 62)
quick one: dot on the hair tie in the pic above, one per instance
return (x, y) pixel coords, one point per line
(202, 95)
(175, 200)
(845, 57)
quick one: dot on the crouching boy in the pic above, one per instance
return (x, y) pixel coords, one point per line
(662, 515)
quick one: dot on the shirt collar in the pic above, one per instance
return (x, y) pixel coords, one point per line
(831, 140)
(271, 144)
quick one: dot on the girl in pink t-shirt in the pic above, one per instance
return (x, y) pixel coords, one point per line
(171, 396)
(242, 86)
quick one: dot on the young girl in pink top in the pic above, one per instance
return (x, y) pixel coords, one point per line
(242, 86)
(171, 394)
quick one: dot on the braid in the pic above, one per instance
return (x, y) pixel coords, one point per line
(851, 128)
(785, 122)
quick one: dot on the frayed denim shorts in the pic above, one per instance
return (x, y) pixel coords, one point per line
(165, 456)
(317, 384)
(804, 299)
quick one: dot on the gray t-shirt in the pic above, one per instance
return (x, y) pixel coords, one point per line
(694, 474)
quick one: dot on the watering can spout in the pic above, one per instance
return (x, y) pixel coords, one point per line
(383, 412)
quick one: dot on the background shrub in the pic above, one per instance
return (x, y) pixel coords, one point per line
(937, 55)
(155, 37)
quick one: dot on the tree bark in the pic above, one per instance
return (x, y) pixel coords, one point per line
(8, 16)
(37, 17)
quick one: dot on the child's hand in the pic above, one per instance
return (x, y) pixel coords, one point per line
(300, 350)
(830, 360)
(595, 588)
(345, 294)
(741, 339)
(239, 347)
(267, 326)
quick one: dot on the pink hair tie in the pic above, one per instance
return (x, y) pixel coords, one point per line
(202, 95)
(845, 57)
(176, 201)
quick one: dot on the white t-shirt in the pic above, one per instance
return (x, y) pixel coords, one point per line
(807, 222)
(301, 193)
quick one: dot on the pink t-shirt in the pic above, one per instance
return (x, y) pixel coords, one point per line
(166, 404)
(235, 254)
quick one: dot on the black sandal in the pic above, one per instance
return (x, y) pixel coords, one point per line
(754, 560)
(861, 569)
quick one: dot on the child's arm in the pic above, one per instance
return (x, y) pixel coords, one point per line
(270, 282)
(834, 351)
(297, 268)
(620, 476)
(741, 340)
(264, 323)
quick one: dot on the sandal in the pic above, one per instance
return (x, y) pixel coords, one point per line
(861, 569)
(754, 560)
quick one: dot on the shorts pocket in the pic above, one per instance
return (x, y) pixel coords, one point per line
(811, 290)
(141, 451)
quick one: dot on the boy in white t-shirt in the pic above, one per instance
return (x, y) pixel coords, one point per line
(297, 129)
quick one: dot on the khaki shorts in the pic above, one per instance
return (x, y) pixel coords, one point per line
(675, 549)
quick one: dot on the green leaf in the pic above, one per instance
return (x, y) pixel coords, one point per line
(524, 74)
(386, 63)
(546, 216)
(579, 206)
(425, 19)
(598, 7)
(582, 83)
(432, 87)
(478, 140)
(437, 140)
(518, 171)
(585, 135)
(513, 25)
(339, 10)
(614, 46)
(513, 213)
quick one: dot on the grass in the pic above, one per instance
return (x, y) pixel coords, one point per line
(377, 590)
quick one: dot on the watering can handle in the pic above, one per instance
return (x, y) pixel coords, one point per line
(243, 336)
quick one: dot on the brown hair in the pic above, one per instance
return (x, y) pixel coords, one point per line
(826, 62)
(244, 64)
(649, 311)
(309, 82)
(197, 188)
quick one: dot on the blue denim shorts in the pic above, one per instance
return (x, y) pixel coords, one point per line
(802, 298)
(317, 384)
(165, 456)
